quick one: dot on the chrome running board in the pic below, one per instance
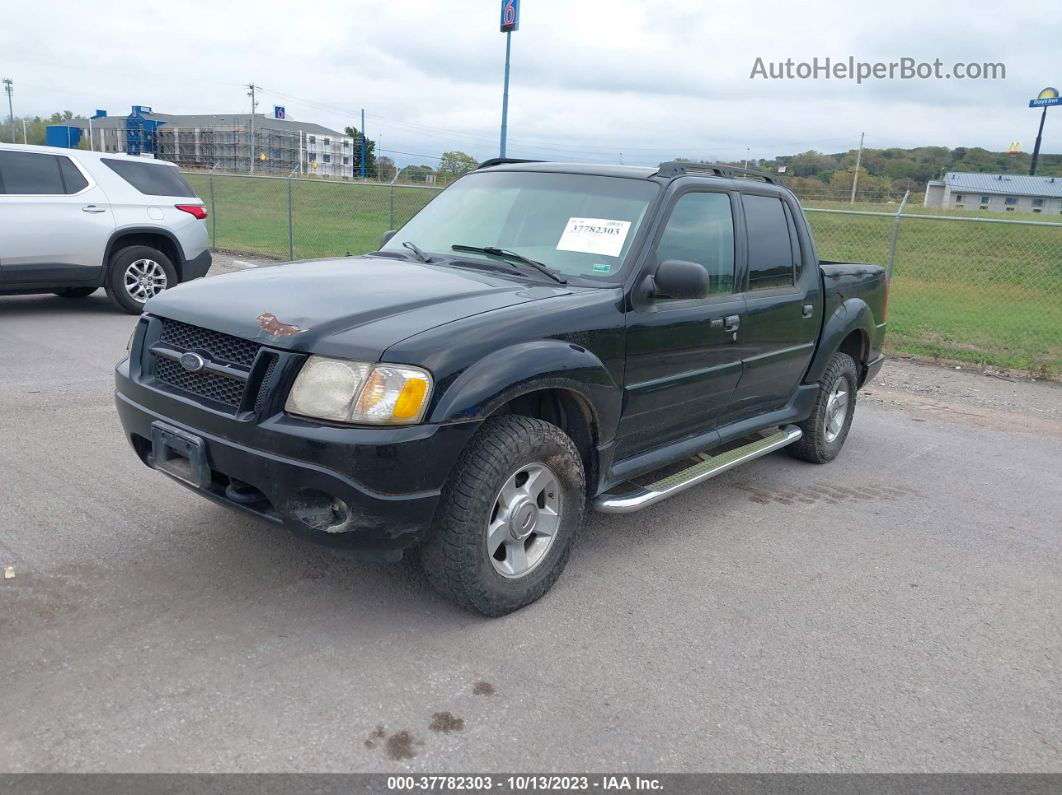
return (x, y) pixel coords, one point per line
(709, 467)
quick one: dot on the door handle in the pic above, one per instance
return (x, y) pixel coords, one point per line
(807, 310)
(92, 208)
(731, 322)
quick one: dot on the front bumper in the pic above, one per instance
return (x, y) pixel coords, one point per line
(291, 472)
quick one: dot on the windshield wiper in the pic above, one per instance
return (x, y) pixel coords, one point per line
(416, 251)
(512, 256)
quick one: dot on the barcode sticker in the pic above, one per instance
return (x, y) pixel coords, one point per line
(594, 236)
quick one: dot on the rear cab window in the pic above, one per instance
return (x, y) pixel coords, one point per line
(37, 174)
(771, 249)
(151, 179)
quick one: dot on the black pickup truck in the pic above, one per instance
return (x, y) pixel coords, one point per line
(540, 338)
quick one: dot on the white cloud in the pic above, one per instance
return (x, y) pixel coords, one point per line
(590, 79)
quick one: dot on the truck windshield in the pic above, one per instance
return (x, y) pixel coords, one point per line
(579, 225)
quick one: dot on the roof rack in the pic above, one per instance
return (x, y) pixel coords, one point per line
(676, 168)
(501, 161)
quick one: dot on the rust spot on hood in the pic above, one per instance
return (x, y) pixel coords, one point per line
(272, 325)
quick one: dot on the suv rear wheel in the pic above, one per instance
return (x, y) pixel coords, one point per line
(508, 517)
(137, 273)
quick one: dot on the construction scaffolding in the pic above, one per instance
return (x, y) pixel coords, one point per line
(274, 152)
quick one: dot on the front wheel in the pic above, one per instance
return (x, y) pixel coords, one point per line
(137, 273)
(827, 428)
(508, 517)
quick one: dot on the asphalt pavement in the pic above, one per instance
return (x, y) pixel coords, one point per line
(896, 610)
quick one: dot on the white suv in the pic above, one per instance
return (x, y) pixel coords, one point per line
(73, 221)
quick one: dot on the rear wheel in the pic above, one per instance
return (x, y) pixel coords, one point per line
(76, 292)
(826, 429)
(136, 274)
(508, 518)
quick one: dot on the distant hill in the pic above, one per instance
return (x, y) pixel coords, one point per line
(886, 172)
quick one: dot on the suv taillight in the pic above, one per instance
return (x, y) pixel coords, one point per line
(198, 210)
(885, 303)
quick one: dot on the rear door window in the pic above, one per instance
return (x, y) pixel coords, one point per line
(771, 258)
(151, 179)
(73, 180)
(30, 173)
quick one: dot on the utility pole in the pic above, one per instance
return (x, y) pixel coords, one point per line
(748, 151)
(362, 170)
(254, 105)
(855, 177)
(10, 109)
(25, 138)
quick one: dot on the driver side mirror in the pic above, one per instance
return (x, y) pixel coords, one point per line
(387, 236)
(677, 278)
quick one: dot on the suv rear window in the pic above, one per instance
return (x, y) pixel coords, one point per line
(152, 179)
(39, 174)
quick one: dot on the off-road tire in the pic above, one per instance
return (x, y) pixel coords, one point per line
(76, 292)
(813, 445)
(455, 557)
(120, 261)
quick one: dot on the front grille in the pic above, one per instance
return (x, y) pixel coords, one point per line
(221, 348)
(264, 389)
(213, 386)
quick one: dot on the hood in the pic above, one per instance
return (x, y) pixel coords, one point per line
(354, 307)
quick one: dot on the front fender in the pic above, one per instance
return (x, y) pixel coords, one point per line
(851, 315)
(519, 369)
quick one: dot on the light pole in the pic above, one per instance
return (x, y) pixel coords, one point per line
(510, 21)
(1045, 99)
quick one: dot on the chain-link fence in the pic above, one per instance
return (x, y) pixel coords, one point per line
(981, 290)
(975, 289)
(298, 218)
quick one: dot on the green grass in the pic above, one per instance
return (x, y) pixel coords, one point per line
(328, 218)
(980, 293)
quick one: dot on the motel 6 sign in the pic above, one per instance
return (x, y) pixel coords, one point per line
(510, 16)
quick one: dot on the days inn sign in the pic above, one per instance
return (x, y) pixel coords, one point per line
(1049, 96)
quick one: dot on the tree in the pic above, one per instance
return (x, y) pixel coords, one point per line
(455, 164)
(370, 154)
(385, 168)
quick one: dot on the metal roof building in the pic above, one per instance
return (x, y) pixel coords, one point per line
(960, 190)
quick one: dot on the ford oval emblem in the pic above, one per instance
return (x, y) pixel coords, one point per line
(192, 361)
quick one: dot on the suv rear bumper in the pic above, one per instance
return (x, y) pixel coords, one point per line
(368, 489)
(197, 266)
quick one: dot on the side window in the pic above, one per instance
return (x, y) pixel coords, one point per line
(73, 179)
(701, 229)
(794, 242)
(770, 247)
(151, 179)
(29, 172)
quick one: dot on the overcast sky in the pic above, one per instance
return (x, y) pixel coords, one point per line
(590, 79)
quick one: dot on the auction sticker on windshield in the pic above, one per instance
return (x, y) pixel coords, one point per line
(594, 236)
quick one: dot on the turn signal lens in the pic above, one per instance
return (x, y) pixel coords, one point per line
(393, 396)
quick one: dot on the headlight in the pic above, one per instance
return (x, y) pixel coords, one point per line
(360, 393)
